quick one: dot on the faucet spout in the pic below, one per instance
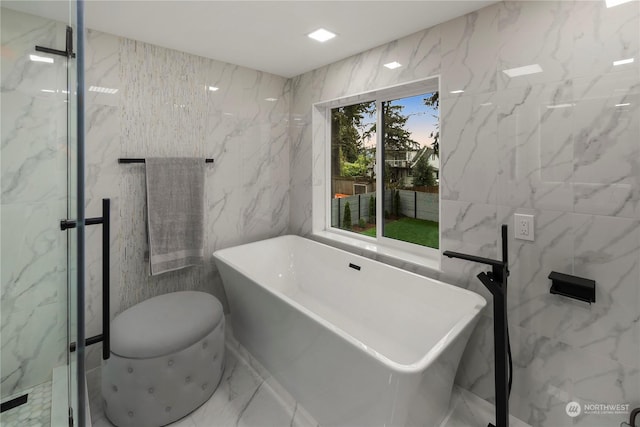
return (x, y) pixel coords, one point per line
(499, 269)
(487, 280)
(473, 258)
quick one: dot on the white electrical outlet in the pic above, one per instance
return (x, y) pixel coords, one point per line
(523, 227)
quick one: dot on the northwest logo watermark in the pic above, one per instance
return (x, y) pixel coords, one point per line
(573, 409)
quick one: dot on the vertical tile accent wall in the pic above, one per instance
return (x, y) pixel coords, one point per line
(164, 108)
(562, 145)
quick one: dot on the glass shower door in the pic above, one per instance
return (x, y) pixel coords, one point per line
(38, 189)
(72, 233)
(77, 406)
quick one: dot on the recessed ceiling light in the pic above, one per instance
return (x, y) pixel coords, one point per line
(623, 61)
(48, 90)
(393, 65)
(523, 71)
(321, 35)
(626, 104)
(457, 91)
(551, 107)
(36, 58)
(213, 88)
(612, 3)
(102, 90)
(271, 99)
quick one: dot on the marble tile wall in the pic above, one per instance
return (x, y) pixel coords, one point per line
(36, 412)
(162, 107)
(574, 166)
(33, 154)
(562, 145)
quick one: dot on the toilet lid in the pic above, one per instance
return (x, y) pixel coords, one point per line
(164, 324)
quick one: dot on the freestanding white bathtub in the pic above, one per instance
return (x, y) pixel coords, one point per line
(355, 341)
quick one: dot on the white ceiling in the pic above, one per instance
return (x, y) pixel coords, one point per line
(264, 35)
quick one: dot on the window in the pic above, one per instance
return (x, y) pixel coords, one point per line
(384, 185)
(353, 159)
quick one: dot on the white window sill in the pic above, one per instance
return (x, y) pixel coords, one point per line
(375, 248)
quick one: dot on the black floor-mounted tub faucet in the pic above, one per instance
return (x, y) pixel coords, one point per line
(496, 282)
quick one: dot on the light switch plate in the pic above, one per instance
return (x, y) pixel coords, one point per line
(524, 227)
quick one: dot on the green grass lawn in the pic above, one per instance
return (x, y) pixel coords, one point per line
(410, 230)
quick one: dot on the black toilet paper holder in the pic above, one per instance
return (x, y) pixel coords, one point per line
(573, 287)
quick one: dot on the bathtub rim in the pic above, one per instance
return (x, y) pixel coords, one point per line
(420, 364)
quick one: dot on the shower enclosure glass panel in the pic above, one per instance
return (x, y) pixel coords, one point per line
(72, 206)
(38, 189)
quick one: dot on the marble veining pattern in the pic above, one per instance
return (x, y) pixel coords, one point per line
(238, 125)
(162, 107)
(470, 124)
(469, 52)
(550, 45)
(535, 149)
(468, 410)
(248, 396)
(35, 413)
(33, 152)
(561, 144)
(102, 122)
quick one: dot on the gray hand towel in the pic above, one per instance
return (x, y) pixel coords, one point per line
(175, 213)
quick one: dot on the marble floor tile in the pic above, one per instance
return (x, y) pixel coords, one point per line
(244, 398)
(468, 410)
(248, 397)
(35, 413)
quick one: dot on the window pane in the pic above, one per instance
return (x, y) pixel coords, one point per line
(353, 157)
(411, 166)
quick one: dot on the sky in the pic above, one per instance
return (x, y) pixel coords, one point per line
(421, 120)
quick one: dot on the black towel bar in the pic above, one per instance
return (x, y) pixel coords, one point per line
(138, 160)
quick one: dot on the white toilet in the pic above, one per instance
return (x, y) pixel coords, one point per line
(167, 358)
